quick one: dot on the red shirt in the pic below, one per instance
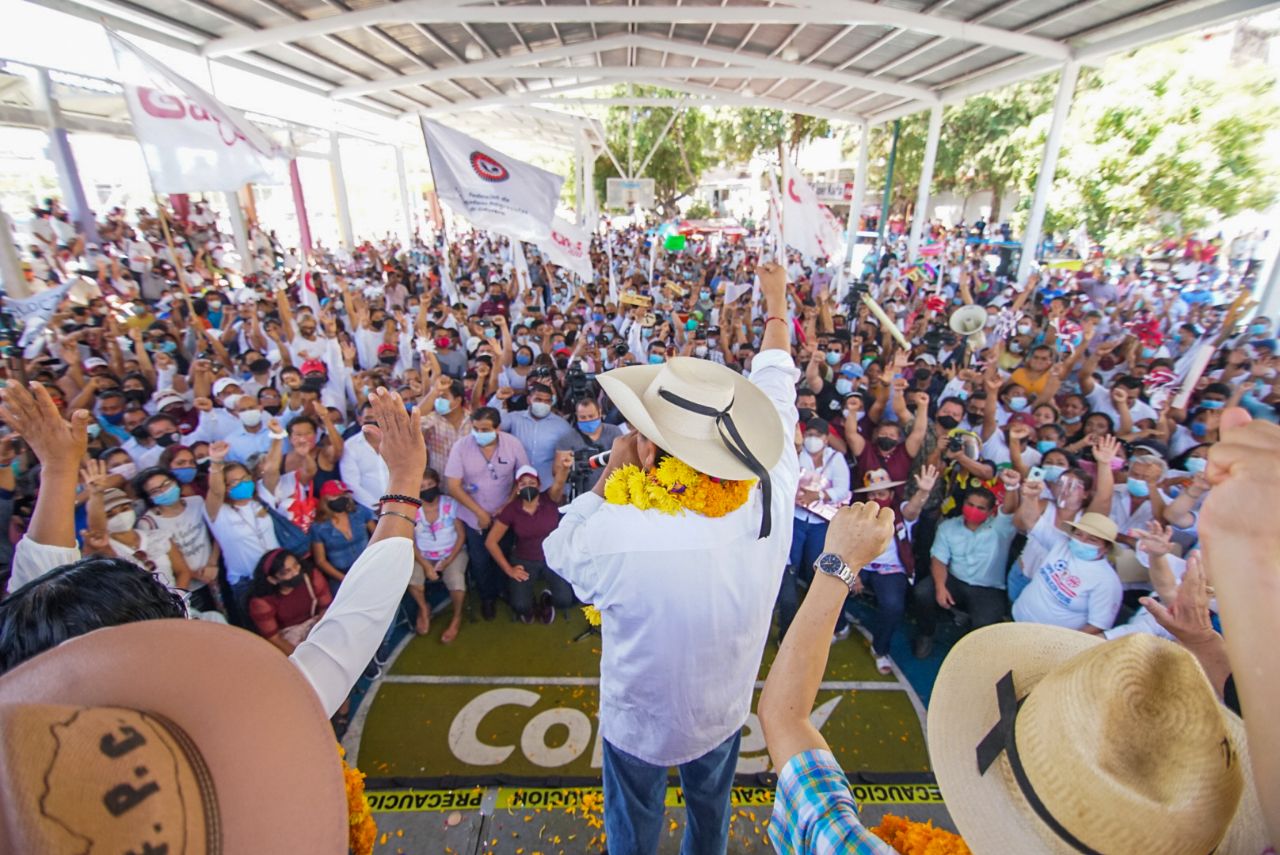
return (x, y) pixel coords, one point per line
(897, 464)
(275, 612)
(530, 529)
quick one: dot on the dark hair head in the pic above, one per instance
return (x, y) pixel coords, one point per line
(78, 598)
(268, 565)
(487, 414)
(984, 493)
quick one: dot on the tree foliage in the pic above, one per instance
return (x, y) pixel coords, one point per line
(744, 133)
(1156, 144)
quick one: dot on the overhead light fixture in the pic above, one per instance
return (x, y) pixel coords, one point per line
(473, 52)
(748, 92)
(790, 54)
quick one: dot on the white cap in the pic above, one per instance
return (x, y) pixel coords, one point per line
(527, 470)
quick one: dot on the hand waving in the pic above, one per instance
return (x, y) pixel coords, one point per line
(33, 416)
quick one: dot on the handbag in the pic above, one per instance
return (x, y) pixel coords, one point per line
(290, 537)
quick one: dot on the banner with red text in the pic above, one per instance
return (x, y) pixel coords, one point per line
(569, 247)
(191, 141)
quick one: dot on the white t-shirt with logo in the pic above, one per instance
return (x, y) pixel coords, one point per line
(1070, 592)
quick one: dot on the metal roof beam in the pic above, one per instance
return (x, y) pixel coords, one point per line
(838, 12)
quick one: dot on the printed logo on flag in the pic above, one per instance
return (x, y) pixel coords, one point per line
(488, 168)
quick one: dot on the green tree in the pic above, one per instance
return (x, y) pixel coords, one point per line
(1159, 144)
(681, 157)
(746, 132)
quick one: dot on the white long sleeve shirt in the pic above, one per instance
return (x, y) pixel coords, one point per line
(364, 471)
(687, 601)
(338, 648)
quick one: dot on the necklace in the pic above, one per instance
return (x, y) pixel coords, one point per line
(675, 487)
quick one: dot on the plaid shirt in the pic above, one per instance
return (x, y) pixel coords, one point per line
(814, 813)
(440, 439)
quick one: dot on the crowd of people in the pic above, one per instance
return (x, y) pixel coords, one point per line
(1045, 464)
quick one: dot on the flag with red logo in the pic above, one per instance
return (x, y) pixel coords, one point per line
(192, 142)
(807, 225)
(569, 247)
(492, 190)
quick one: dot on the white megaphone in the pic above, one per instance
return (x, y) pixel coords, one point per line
(970, 322)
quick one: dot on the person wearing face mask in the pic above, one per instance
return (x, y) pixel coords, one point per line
(538, 429)
(340, 533)
(591, 433)
(111, 520)
(240, 522)
(181, 518)
(150, 439)
(1046, 521)
(530, 515)
(967, 561)
(440, 538)
(362, 466)
(447, 420)
(893, 571)
(1142, 500)
(824, 486)
(1074, 585)
(480, 474)
(287, 601)
(252, 436)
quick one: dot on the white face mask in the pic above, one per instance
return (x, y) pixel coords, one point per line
(125, 470)
(230, 401)
(700, 351)
(251, 418)
(539, 409)
(122, 522)
(814, 444)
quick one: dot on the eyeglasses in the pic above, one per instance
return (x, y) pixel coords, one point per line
(164, 485)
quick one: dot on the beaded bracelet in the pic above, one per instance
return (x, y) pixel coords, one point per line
(396, 514)
(780, 320)
(404, 500)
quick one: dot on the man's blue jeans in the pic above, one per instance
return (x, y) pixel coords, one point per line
(635, 792)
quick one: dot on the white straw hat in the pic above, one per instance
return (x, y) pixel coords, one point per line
(707, 415)
(1048, 740)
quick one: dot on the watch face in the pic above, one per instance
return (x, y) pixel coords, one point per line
(831, 563)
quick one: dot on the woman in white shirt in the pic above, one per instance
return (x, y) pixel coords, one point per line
(182, 520)
(441, 553)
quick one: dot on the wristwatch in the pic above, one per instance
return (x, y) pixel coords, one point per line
(833, 565)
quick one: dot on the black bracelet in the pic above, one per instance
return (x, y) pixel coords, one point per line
(404, 500)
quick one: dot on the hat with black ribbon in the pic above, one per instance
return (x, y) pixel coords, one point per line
(1046, 739)
(706, 415)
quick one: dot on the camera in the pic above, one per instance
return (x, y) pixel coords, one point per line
(955, 443)
(577, 383)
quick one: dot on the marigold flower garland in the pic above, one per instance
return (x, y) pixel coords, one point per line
(675, 487)
(919, 838)
(362, 829)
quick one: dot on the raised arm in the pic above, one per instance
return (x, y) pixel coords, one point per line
(60, 446)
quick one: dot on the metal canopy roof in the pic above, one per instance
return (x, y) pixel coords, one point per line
(847, 60)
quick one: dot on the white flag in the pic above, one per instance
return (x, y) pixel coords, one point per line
(803, 225)
(569, 247)
(736, 290)
(520, 265)
(34, 312)
(489, 188)
(613, 279)
(775, 223)
(191, 141)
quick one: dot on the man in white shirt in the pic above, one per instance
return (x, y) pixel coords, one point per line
(685, 596)
(362, 468)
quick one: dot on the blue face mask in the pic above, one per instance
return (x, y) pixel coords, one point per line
(705, 295)
(240, 492)
(1199, 429)
(1211, 405)
(93, 429)
(184, 474)
(1044, 446)
(113, 418)
(1083, 551)
(655, 359)
(485, 437)
(523, 359)
(442, 406)
(844, 386)
(168, 497)
(597, 316)
(1139, 489)
(1018, 404)
(833, 357)
(646, 332)
(590, 426)
(1148, 352)
(1258, 329)
(1053, 473)
(1195, 465)
(1070, 420)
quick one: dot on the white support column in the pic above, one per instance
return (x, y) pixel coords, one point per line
(12, 282)
(579, 187)
(64, 160)
(859, 196)
(1048, 166)
(238, 231)
(921, 214)
(406, 206)
(340, 192)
